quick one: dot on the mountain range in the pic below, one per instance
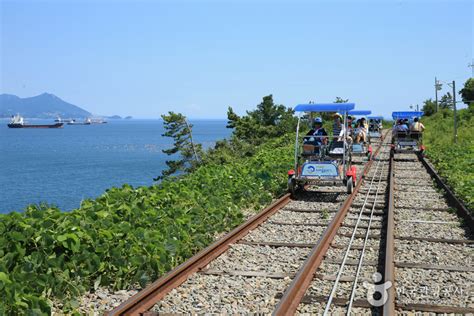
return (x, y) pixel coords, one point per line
(45, 105)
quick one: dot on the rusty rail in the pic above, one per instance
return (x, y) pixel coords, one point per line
(146, 298)
(389, 275)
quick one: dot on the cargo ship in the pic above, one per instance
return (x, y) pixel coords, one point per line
(61, 120)
(87, 121)
(18, 122)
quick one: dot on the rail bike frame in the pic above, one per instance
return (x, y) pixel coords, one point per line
(322, 168)
(409, 141)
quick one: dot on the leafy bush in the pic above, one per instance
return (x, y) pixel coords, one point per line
(130, 235)
(454, 162)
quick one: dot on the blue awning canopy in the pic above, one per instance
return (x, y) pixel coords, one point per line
(325, 107)
(360, 112)
(406, 115)
(375, 117)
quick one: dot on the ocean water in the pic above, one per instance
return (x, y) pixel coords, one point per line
(64, 166)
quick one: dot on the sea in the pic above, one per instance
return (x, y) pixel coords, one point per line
(64, 166)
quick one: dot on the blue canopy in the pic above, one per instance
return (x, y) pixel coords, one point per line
(406, 115)
(359, 112)
(324, 107)
(375, 117)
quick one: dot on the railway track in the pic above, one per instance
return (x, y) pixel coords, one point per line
(318, 253)
(334, 283)
(430, 255)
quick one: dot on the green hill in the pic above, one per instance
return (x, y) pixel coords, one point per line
(45, 105)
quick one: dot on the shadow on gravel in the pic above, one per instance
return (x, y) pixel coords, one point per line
(312, 196)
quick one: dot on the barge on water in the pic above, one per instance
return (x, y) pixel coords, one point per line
(18, 122)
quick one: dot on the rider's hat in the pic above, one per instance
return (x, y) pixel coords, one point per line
(337, 115)
(318, 120)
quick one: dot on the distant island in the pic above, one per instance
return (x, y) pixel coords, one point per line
(44, 106)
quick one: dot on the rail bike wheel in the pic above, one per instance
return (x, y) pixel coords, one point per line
(350, 185)
(292, 187)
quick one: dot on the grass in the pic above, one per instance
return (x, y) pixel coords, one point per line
(453, 161)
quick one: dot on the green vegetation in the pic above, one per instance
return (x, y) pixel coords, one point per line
(467, 93)
(132, 236)
(454, 162)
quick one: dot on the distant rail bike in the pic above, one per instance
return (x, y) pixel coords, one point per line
(375, 127)
(405, 140)
(360, 139)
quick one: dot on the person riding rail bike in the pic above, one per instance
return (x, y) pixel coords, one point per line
(318, 131)
(417, 126)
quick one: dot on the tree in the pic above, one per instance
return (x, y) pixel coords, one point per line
(268, 120)
(341, 100)
(467, 94)
(446, 101)
(429, 107)
(178, 128)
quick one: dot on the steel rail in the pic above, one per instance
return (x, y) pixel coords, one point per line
(361, 260)
(343, 263)
(389, 275)
(146, 298)
(295, 292)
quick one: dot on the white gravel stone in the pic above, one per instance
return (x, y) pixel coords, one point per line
(318, 309)
(424, 215)
(370, 254)
(450, 231)
(302, 217)
(419, 203)
(285, 233)
(319, 206)
(320, 287)
(241, 257)
(102, 300)
(223, 295)
(415, 251)
(372, 242)
(435, 287)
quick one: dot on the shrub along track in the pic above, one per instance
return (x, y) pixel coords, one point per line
(246, 269)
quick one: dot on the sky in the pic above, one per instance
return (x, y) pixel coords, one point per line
(144, 58)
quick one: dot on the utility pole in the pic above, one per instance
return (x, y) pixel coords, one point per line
(454, 108)
(472, 68)
(436, 92)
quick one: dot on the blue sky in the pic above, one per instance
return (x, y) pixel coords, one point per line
(144, 58)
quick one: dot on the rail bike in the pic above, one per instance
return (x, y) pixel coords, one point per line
(375, 127)
(403, 139)
(360, 144)
(320, 161)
